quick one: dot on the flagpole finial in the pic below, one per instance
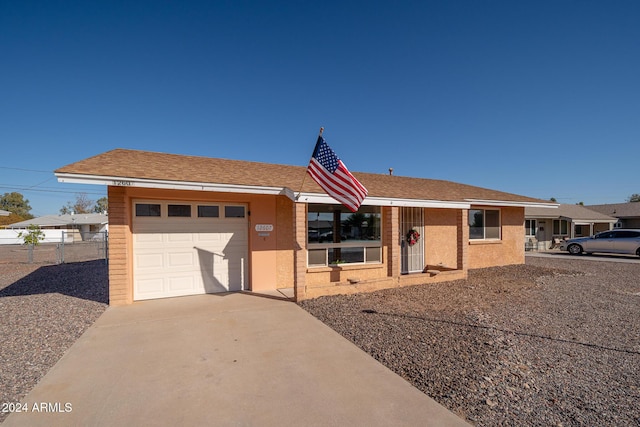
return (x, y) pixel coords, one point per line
(321, 130)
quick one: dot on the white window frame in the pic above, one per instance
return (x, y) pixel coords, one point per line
(366, 247)
(528, 229)
(484, 226)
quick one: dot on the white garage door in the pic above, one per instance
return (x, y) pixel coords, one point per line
(185, 248)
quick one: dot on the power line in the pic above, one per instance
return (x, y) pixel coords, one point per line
(25, 170)
(27, 189)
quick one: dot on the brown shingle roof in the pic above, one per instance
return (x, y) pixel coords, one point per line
(575, 212)
(618, 210)
(130, 164)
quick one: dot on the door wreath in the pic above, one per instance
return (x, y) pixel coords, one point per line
(412, 237)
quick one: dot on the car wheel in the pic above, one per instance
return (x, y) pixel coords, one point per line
(575, 249)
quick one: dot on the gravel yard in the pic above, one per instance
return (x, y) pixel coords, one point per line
(43, 310)
(553, 342)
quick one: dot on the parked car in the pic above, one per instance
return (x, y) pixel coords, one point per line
(618, 241)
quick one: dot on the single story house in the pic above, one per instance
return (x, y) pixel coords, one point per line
(4, 213)
(184, 225)
(628, 214)
(88, 226)
(545, 227)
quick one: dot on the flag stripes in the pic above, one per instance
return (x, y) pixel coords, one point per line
(332, 175)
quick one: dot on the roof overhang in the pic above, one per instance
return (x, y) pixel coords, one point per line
(589, 221)
(505, 203)
(385, 201)
(118, 181)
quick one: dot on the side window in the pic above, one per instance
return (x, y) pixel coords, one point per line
(628, 234)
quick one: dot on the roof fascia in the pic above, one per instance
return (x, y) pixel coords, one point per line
(385, 201)
(593, 221)
(117, 181)
(506, 203)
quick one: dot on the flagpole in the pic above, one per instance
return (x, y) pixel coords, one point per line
(307, 169)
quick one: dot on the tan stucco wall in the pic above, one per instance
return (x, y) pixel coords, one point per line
(440, 234)
(285, 238)
(508, 250)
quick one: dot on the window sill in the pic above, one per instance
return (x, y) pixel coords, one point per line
(345, 267)
(485, 242)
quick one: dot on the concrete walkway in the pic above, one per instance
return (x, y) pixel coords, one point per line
(221, 360)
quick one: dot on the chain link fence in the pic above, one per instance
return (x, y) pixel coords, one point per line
(71, 246)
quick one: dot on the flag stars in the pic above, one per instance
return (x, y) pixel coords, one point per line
(327, 157)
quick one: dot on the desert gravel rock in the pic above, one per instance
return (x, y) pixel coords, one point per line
(552, 342)
(43, 310)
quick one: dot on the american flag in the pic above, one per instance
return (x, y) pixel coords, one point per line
(333, 176)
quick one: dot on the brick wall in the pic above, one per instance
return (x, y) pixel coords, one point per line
(300, 250)
(120, 263)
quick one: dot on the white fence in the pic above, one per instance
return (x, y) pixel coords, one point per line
(11, 237)
(58, 246)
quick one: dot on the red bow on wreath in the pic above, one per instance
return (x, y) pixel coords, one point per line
(412, 237)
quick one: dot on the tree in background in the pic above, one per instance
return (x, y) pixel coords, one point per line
(16, 204)
(10, 219)
(32, 238)
(102, 205)
(634, 198)
(82, 205)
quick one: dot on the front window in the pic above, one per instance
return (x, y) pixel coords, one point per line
(560, 227)
(484, 224)
(337, 236)
(530, 227)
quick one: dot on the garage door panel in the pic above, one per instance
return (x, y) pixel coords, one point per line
(182, 283)
(149, 261)
(179, 237)
(148, 238)
(181, 259)
(151, 286)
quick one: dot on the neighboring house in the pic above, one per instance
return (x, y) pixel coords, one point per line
(184, 225)
(4, 213)
(544, 228)
(78, 226)
(628, 214)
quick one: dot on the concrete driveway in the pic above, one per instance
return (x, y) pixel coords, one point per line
(226, 359)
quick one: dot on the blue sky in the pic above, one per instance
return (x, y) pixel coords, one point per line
(535, 98)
